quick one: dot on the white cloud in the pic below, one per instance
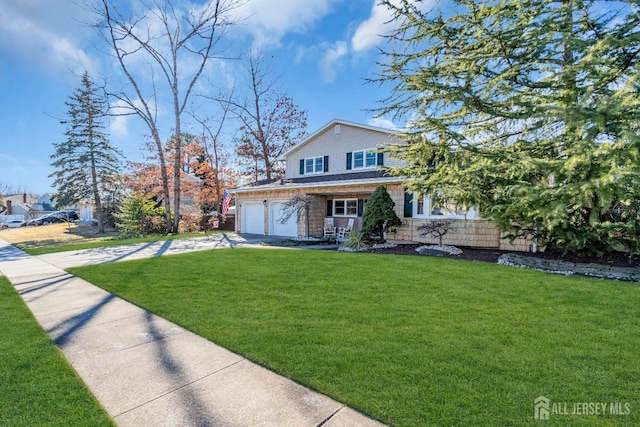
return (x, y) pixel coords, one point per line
(370, 32)
(382, 122)
(46, 32)
(119, 124)
(332, 59)
(269, 20)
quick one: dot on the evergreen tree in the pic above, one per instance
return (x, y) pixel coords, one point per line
(140, 214)
(87, 165)
(379, 214)
(528, 109)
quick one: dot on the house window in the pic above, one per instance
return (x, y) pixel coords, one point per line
(370, 159)
(440, 206)
(420, 202)
(364, 159)
(345, 207)
(314, 165)
(358, 159)
(436, 206)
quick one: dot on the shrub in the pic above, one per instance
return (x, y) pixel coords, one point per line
(378, 215)
(189, 223)
(356, 242)
(140, 214)
(437, 228)
(155, 225)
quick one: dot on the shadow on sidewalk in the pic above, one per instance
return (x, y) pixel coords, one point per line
(74, 323)
(194, 407)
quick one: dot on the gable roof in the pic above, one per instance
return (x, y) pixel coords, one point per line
(338, 122)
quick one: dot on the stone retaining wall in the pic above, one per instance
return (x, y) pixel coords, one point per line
(627, 274)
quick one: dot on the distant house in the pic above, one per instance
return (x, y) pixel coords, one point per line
(340, 165)
(18, 205)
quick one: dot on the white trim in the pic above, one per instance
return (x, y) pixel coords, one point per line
(364, 166)
(428, 207)
(345, 205)
(313, 165)
(325, 184)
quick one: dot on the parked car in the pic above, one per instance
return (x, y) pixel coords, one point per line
(14, 223)
(54, 218)
(44, 220)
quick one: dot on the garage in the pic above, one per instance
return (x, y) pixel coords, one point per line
(252, 218)
(289, 228)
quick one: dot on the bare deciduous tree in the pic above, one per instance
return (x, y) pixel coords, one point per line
(299, 205)
(271, 122)
(214, 152)
(170, 42)
(437, 228)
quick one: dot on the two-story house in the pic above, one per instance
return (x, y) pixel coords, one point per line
(340, 165)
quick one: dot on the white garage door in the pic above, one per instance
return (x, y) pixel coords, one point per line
(289, 228)
(253, 218)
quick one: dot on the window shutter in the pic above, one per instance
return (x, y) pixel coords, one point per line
(349, 160)
(380, 161)
(326, 164)
(329, 207)
(408, 204)
(360, 207)
(301, 166)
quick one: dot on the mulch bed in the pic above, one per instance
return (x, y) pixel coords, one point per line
(492, 255)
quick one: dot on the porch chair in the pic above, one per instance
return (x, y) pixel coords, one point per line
(344, 231)
(329, 227)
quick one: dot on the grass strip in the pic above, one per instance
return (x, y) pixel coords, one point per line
(37, 385)
(408, 340)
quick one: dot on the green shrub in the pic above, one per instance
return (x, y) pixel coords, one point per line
(140, 214)
(356, 241)
(379, 215)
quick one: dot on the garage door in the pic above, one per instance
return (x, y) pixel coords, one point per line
(289, 228)
(253, 218)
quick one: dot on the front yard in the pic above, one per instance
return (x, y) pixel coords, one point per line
(408, 340)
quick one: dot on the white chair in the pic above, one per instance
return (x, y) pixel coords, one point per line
(329, 227)
(344, 231)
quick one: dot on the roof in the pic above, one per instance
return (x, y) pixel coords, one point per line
(339, 122)
(354, 178)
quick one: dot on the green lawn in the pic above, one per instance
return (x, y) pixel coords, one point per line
(408, 340)
(37, 385)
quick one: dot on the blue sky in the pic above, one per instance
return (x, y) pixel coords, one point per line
(321, 49)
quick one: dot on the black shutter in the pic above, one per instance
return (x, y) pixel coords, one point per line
(301, 166)
(380, 159)
(408, 204)
(360, 207)
(326, 164)
(329, 207)
(349, 160)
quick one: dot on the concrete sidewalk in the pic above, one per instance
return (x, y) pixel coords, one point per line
(147, 371)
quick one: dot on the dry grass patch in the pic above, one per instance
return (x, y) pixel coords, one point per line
(53, 235)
